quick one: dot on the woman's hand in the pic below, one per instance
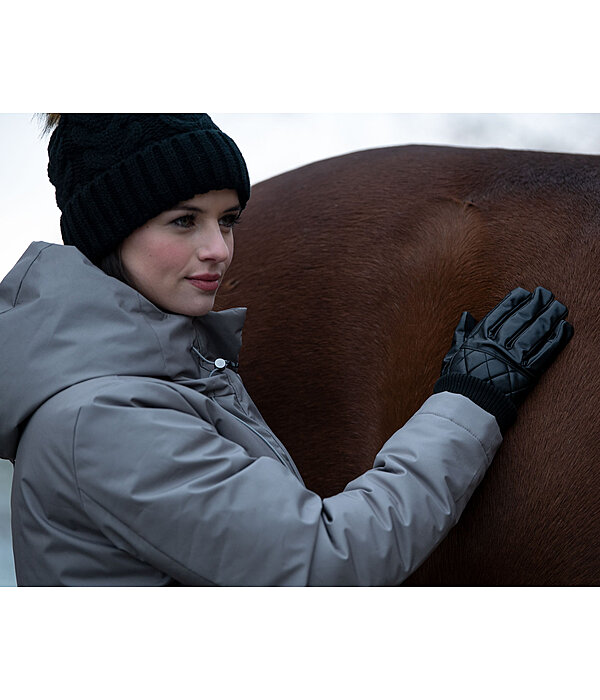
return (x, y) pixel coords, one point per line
(510, 348)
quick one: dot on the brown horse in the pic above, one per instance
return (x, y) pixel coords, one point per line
(355, 271)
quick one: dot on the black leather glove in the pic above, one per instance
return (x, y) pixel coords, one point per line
(497, 361)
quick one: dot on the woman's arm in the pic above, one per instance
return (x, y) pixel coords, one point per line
(162, 484)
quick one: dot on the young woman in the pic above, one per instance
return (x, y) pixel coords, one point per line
(139, 457)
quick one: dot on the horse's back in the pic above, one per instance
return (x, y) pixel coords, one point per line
(355, 271)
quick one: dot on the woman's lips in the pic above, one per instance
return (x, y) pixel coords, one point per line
(207, 283)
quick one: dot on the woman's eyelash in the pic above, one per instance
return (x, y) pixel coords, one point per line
(231, 220)
(189, 220)
(185, 221)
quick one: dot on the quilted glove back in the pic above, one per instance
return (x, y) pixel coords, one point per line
(513, 345)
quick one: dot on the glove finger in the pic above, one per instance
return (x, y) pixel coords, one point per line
(545, 355)
(530, 337)
(463, 328)
(523, 316)
(492, 321)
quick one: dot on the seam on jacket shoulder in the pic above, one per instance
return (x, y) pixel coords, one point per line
(81, 493)
(74, 459)
(471, 433)
(164, 554)
(16, 299)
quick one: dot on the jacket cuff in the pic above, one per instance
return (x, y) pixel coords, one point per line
(482, 393)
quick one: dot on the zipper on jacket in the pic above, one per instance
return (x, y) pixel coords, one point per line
(220, 365)
(281, 457)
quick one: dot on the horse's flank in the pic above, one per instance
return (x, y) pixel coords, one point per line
(355, 271)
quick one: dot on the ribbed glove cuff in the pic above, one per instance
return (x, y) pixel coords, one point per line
(482, 393)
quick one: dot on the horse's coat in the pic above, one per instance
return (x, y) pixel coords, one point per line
(355, 271)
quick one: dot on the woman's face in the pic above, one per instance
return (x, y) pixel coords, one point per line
(177, 260)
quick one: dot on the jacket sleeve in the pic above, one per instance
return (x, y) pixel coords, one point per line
(171, 491)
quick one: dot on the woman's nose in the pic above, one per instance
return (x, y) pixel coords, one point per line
(212, 245)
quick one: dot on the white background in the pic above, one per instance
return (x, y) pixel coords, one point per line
(518, 56)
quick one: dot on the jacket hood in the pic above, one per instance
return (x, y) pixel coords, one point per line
(63, 321)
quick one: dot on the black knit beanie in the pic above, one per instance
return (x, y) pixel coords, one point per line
(114, 172)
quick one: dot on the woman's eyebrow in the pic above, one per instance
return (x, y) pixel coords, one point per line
(187, 207)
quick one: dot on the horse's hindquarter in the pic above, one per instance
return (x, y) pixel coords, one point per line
(355, 271)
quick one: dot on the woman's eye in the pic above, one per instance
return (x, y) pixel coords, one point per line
(189, 221)
(230, 220)
(186, 221)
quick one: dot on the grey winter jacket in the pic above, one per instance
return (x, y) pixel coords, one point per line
(141, 460)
